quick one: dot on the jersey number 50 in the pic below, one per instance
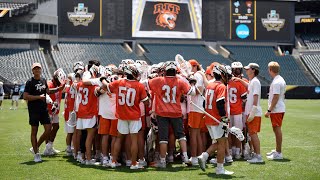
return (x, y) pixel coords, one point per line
(127, 98)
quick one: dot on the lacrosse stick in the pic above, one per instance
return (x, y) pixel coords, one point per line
(72, 121)
(185, 69)
(235, 131)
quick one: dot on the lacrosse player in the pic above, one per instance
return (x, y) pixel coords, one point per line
(130, 92)
(253, 109)
(56, 85)
(195, 116)
(276, 107)
(15, 96)
(215, 106)
(35, 93)
(167, 91)
(237, 96)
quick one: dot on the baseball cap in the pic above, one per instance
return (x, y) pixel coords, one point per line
(194, 62)
(36, 65)
(252, 66)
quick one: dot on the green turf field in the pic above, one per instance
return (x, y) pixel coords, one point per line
(301, 149)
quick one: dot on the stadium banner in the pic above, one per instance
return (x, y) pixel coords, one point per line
(275, 21)
(79, 18)
(310, 20)
(116, 19)
(167, 19)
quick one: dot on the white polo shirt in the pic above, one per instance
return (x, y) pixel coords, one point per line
(278, 86)
(197, 99)
(254, 88)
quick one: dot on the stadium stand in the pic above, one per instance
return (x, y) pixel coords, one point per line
(313, 64)
(16, 9)
(157, 53)
(262, 55)
(312, 41)
(106, 53)
(15, 64)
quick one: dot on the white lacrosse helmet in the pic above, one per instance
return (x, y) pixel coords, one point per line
(171, 65)
(108, 71)
(229, 70)
(236, 65)
(60, 75)
(78, 65)
(133, 70)
(127, 61)
(1, 83)
(142, 62)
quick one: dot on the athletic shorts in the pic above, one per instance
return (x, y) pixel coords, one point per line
(105, 127)
(54, 118)
(86, 123)
(68, 129)
(15, 97)
(194, 119)
(254, 126)
(36, 117)
(129, 126)
(216, 132)
(203, 127)
(163, 127)
(114, 128)
(236, 121)
(276, 119)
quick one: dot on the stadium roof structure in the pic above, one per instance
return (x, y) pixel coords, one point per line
(15, 9)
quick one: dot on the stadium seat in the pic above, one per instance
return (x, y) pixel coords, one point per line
(312, 41)
(157, 53)
(313, 63)
(106, 53)
(263, 55)
(15, 64)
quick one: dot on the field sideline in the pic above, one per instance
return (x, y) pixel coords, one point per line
(301, 149)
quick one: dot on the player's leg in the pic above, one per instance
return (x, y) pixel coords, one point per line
(221, 156)
(163, 126)
(177, 124)
(134, 127)
(90, 137)
(254, 128)
(276, 121)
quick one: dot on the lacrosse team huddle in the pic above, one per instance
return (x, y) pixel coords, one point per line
(134, 113)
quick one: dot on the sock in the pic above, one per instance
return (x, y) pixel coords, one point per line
(111, 158)
(134, 163)
(162, 160)
(185, 155)
(68, 147)
(219, 165)
(230, 151)
(237, 150)
(205, 155)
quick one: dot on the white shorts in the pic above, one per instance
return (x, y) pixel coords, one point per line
(1, 98)
(216, 132)
(86, 123)
(15, 98)
(54, 118)
(236, 121)
(68, 129)
(129, 127)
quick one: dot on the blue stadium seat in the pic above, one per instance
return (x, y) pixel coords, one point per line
(313, 63)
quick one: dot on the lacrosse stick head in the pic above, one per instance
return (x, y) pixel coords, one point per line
(237, 133)
(72, 121)
(183, 65)
(60, 76)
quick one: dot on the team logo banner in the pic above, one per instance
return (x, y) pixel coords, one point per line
(164, 19)
(80, 16)
(273, 21)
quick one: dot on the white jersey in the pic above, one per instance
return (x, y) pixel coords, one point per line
(197, 99)
(278, 86)
(185, 108)
(254, 88)
(107, 102)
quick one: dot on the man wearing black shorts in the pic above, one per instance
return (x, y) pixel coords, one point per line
(35, 93)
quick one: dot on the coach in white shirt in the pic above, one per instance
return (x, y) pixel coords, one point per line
(276, 107)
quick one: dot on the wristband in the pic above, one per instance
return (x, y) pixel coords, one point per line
(269, 111)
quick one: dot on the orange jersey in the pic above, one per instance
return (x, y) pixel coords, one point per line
(215, 92)
(56, 97)
(167, 91)
(88, 102)
(236, 91)
(129, 95)
(69, 100)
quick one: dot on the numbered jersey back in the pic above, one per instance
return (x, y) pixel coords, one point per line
(129, 95)
(236, 90)
(69, 99)
(56, 97)
(215, 92)
(88, 102)
(167, 92)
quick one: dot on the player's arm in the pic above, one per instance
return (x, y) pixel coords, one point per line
(28, 97)
(254, 108)
(243, 82)
(54, 90)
